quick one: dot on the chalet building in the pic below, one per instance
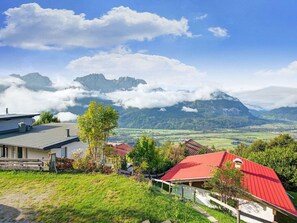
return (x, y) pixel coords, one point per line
(195, 148)
(20, 139)
(267, 192)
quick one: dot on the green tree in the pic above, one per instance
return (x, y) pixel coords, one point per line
(280, 154)
(171, 154)
(96, 125)
(45, 118)
(228, 182)
(282, 160)
(145, 155)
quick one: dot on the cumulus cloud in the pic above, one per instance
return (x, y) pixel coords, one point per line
(33, 27)
(218, 31)
(188, 109)
(66, 116)
(21, 100)
(289, 70)
(145, 96)
(153, 68)
(201, 17)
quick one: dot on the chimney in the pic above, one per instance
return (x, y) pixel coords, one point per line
(238, 163)
(67, 132)
(6, 111)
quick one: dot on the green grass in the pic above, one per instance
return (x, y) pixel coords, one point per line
(49, 197)
(219, 215)
(221, 139)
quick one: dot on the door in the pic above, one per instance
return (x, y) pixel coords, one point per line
(20, 152)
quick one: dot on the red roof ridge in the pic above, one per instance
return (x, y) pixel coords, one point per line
(222, 160)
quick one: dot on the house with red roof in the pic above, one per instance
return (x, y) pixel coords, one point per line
(262, 183)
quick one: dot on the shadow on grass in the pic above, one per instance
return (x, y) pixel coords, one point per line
(8, 214)
(69, 214)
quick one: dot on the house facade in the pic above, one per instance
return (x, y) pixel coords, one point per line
(268, 196)
(19, 139)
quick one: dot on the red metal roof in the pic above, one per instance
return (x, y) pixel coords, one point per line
(121, 148)
(260, 181)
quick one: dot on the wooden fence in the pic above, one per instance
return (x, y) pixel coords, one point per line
(21, 164)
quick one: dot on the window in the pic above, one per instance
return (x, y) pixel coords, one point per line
(20, 152)
(64, 152)
(3, 151)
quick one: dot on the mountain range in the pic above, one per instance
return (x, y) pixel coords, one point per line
(218, 110)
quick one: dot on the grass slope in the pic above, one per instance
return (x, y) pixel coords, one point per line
(49, 197)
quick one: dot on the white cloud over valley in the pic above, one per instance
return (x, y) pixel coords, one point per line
(30, 26)
(22, 100)
(188, 109)
(146, 96)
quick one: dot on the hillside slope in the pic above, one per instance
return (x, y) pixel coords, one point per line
(44, 197)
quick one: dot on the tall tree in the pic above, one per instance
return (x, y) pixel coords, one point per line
(96, 125)
(45, 118)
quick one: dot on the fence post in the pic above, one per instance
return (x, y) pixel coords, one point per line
(238, 216)
(194, 196)
(162, 185)
(169, 188)
(182, 191)
(53, 163)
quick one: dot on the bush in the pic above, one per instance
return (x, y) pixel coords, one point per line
(64, 164)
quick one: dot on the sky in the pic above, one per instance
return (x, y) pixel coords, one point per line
(235, 45)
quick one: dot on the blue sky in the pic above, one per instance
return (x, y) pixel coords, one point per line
(233, 44)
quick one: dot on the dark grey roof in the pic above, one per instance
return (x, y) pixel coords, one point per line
(13, 116)
(46, 136)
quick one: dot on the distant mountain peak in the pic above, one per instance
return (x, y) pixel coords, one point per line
(98, 82)
(35, 81)
(220, 95)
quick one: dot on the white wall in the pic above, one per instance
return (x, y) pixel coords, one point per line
(29, 152)
(38, 154)
(256, 209)
(71, 147)
(249, 207)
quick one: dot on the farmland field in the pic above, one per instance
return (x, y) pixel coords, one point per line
(221, 139)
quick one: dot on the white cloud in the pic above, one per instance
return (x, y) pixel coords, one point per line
(201, 17)
(289, 70)
(145, 96)
(218, 31)
(269, 98)
(66, 116)
(32, 27)
(163, 110)
(8, 81)
(153, 68)
(188, 109)
(21, 100)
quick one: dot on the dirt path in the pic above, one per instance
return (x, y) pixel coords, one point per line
(19, 206)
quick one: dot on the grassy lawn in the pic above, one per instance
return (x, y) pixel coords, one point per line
(45, 197)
